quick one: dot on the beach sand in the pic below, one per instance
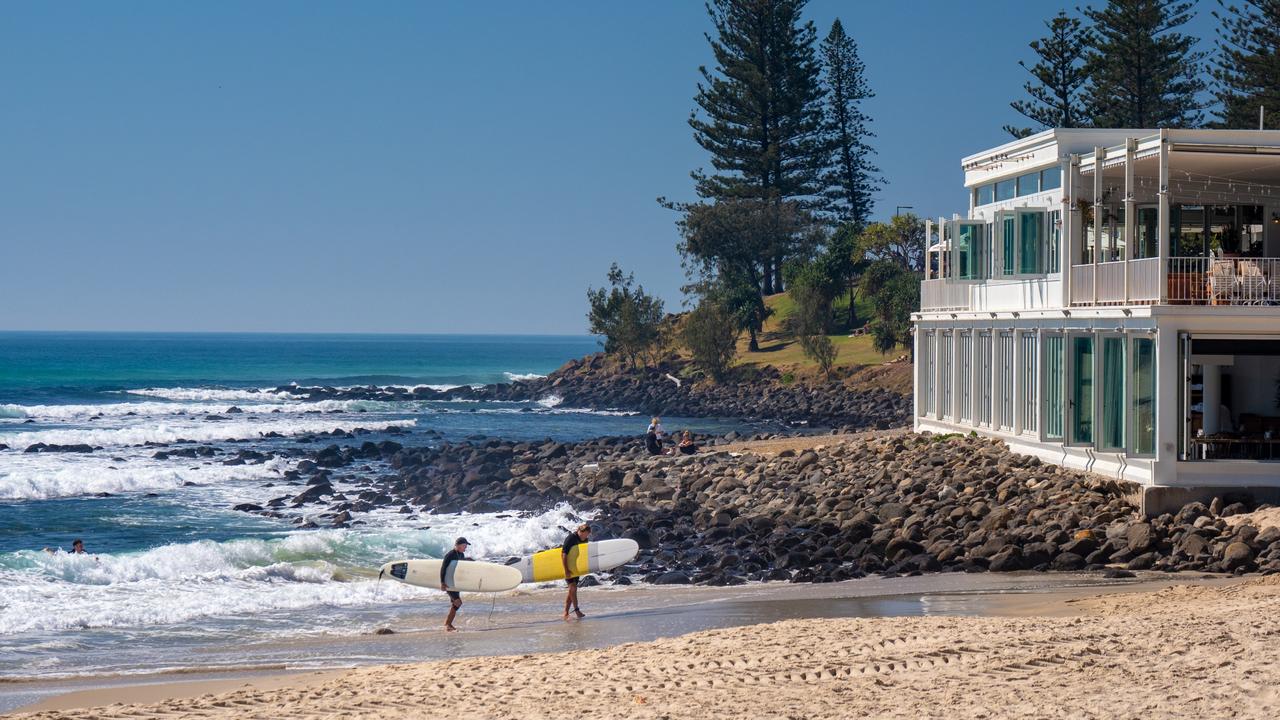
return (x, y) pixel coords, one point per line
(1184, 651)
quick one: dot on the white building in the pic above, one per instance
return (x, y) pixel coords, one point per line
(1111, 302)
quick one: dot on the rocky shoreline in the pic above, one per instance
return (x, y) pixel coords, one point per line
(594, 383)
(890, 504)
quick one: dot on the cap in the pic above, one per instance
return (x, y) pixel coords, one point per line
(461, 541)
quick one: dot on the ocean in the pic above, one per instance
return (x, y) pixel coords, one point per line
(173, 577)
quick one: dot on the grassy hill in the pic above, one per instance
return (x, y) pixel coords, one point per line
(779, 348)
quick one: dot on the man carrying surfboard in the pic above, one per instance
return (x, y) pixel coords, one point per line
(577, 537)
(459, 552)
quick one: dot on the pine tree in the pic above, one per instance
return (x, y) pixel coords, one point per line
(1059, 78)
(1142, 72)
(761, 113)
(852, 179)
(1246, 72)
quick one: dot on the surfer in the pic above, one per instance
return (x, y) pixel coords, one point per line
(77, 547)
(459, 552)
(575, 538)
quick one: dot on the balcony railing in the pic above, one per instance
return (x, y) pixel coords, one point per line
(944, 294)
(1190, 281)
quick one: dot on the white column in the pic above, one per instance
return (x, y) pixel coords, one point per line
(928, 254)
(919, 376)
(1016, 385)
(1098, 155)
(1130, 209)
(1212, 398)
(1163, 217)
(1070, 223)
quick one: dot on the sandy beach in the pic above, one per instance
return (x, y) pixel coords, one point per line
(1181, 651)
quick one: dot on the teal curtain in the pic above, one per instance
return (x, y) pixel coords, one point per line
(1082, 390)
(1113, 393)
(1054, 382)
(1006, 244)
(1144, 396)
(1030, 239)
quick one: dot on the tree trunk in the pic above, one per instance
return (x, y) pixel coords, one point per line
(753, 345)
(853, 309)
(777, 273)
(768, 278)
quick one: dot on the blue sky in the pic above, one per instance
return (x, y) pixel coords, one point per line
(415, 166)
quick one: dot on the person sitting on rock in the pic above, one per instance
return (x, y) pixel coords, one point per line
(459, 552)
(687, 446)
(652, 442)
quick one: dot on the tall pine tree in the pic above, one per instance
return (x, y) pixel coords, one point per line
(1246, 72)
(852, 179)
(1142, 72)
(761, 114)
(1059, 78)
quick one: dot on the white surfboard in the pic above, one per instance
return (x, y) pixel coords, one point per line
(463, 575)
(584, 558)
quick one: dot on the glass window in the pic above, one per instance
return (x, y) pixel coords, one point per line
(1251, 230)
(1082, 389)
(1028, 387)
(964, 366)
(1146, 233)
(1054, 382)
(1028, 184)
(1004, 401)
(1113, 376)
(1006, 189)
(970, 251)
(986, 194)
(985, 386)
(1007, 230)
(944, 364)
(1144, 396)
(926, 375)
(1188, 231)
(1051, 179)
(1055, 238)
(1031, 234)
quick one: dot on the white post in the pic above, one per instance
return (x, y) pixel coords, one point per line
(1130, 209)
(1098, 155)
(1015, 386)
(1071, 176)
(928, 254)
(1163, 218)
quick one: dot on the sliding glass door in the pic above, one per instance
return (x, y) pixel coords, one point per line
(1082, 389)
(1113, 393)
(1143, 427)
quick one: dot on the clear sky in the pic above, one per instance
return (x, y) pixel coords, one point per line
(410, 166)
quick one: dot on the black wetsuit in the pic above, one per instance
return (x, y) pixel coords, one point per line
(569, 542)
(452, 556)
(652, 443)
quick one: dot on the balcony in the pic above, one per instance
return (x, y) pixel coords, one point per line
(1189, 281)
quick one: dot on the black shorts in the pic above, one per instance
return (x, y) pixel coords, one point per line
(454, 595)
(571, 581)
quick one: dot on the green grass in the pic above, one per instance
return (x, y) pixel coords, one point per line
(779, 348)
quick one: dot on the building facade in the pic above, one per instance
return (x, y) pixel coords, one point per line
(1111, 302)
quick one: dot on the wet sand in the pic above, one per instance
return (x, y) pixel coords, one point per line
(526, 623)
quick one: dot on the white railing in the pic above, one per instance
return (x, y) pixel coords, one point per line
(1144, 281)
(944, 295)
(1081, 284)
(1224, 281)
(1111, 285)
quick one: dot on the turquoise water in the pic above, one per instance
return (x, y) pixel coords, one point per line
(172, 571)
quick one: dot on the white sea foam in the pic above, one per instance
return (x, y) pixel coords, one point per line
(516, 377)
(240, 579)
(202, 431)
(214, 394)
(40, 476)
(551, 401)
(68, 413)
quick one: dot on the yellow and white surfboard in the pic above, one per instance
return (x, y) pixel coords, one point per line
(584, 558)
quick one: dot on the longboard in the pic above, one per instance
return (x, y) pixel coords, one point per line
(463, 575)
(583, 558)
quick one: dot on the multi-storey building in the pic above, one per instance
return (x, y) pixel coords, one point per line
(1111, 302)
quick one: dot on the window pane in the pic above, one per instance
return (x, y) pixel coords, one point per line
(1006, 244)
(1082, 390)
(986, 194)
(1005, 189)
(1251, 230)
(1051, 179)
(1053, 387)
(964, 365)
(1144, 396)
(1113, 393)
(1055, 237)
(1004, 402)
(985, 387)
(1028, 387)
(1188, 229)
(1028, 184)
(1145, 239)
(970, 250)
(944, 362)
(1031, 228)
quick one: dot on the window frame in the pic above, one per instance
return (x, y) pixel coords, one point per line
(1131, 400)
